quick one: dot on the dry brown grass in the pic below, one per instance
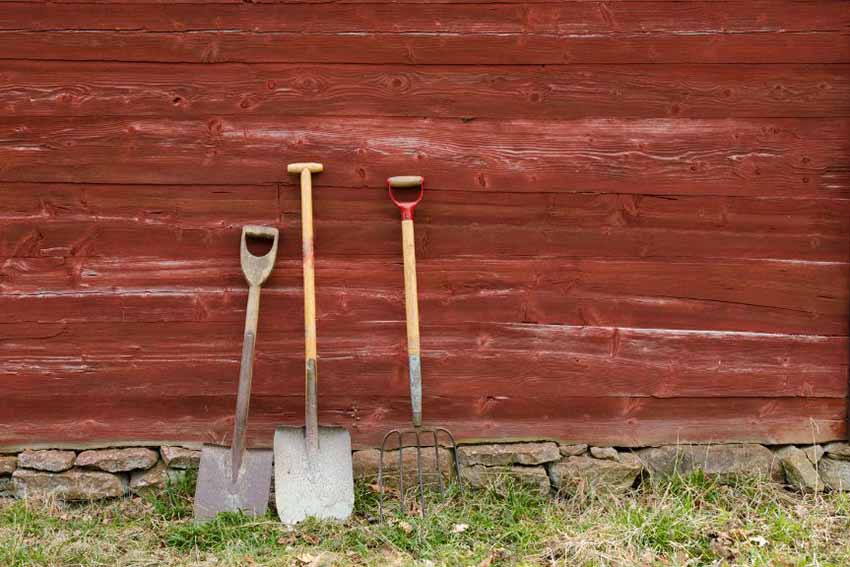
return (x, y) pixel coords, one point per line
(691, 521)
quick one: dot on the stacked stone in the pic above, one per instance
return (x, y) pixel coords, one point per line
(525, 462)
(8, 464)
(546, 466)
(91, 474)
(550, 467)
(833, 464)
(598, 469)
(365, 464)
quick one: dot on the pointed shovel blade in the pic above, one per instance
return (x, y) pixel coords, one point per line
(217, 492)
(313, 483)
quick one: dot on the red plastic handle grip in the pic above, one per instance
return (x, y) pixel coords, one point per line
(406, 206)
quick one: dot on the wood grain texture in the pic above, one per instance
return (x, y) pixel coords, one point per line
(635, 228)
(764, 296)
(461, 91)
(426, 49)
(225, 207)
(755, 421)
(474, 225)
(454, 16)
(556, 33)
(135, 431)
(65, 339)
(338, 409)
(171, 360)
(748, 157)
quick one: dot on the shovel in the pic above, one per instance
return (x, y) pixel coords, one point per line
(236, 478)
(313, 474)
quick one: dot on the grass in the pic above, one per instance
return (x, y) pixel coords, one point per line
(686, 521)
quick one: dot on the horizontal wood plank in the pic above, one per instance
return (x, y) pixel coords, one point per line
(555, 92)
(382, 372)
(424, 49)
(148, 224)
(216, 207)
(337, 407)
(568, 32)
(609, 421)
(764, 296)
(454, 16)
(710, 349)
(745, 157)
(78, 432)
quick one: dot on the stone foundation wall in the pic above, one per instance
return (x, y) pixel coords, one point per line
(547, 466)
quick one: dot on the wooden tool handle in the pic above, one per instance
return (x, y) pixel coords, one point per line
(246, 374)
(405, 181)
(257, 268)
(411, 307)
(311, 377)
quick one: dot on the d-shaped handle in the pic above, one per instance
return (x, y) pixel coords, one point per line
(406, 181)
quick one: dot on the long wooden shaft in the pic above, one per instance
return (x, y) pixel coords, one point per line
(411, 307)
(311, 403)
(246, 373)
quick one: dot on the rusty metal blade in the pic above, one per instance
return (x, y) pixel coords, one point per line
(217, 490)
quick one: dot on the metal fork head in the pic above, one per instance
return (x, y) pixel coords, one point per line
(419, 439)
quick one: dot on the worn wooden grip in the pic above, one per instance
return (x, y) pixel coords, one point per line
(311, 426)
(411, 308)
(312, 167)
(246, 373)
(257, 268)
(401, 181)
(256, 231)
(309, 264)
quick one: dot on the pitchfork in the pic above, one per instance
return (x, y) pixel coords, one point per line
(420, 438)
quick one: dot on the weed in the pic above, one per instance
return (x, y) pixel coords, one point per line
(227, 530)
(175, 500)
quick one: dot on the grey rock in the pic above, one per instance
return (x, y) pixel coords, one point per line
(118, 460)
(813, 453)
(52, 460)
(155, 478)
(365, 464)
(75, 484)
(598, 475)
(573, 450)
(503, 454)
(180, 457)
(800, 473)
(479, 476)
(839, 451)
(8, 464)
(7, 487)
(835, 473)
(746, 459)
(662, 462)
(607, 453)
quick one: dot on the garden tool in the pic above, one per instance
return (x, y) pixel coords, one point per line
(418, 438)
(237, 478)
(313, 474)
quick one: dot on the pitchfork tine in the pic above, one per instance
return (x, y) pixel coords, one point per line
(401, 471)
(419, 473)
(437, 461)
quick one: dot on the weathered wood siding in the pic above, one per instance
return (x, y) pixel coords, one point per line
(636, 229)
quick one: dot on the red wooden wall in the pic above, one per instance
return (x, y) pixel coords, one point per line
(635, 231)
